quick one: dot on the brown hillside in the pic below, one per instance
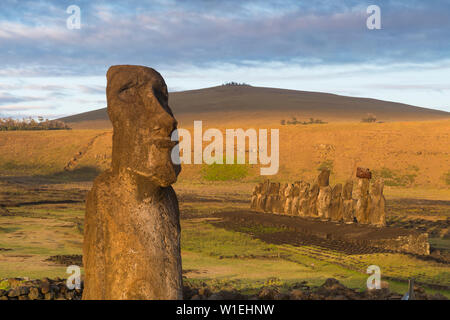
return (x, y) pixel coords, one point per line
(226, 104)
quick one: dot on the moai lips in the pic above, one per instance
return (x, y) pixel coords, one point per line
(131, 244)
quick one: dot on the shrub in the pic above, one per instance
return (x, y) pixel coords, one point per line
(10, 124)
(326, 165)
(370, 118)
(224, 172)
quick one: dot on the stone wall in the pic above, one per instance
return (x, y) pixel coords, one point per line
(360, 201)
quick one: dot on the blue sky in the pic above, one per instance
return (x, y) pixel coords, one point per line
(48, 69)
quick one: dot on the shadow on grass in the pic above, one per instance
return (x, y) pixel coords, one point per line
(82, 174)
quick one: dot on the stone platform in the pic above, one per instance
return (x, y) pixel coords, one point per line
(387, 239)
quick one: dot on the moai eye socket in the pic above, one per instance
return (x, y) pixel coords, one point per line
(127, 92)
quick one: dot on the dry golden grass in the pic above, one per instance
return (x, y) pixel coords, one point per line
(416, 151)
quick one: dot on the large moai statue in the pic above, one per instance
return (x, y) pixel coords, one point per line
(336, 205)
(295, 198)
(303, 204)
(131, 244)
(348, 204)
(377, 203)
(363, 177)
(324, 197)
(288, 196)
(312, 200)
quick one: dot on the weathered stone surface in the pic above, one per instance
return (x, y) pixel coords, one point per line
(377, 204)
(132, 231)
(324, 178)
(336, 205)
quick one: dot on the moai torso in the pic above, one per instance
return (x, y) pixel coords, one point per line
(131, 244)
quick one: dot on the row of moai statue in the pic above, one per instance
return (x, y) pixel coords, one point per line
(364, 204)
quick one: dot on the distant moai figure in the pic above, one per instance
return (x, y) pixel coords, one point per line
(324, 197)
(377, 203)
(295, 198)
(312, 200)
(336, 205)
(288, 196)
(262, 198)
(131, 244)
(281, 199)
(255, 193)
(303, 205)
(275, 198)
(271, 197)
(362, 200)
(348, 204)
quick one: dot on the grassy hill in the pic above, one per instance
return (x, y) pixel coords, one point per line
(268, 106)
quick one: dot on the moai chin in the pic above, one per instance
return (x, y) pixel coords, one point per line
(132, 231)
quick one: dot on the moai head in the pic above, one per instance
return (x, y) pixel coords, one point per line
(376, 188)
(143, 123)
